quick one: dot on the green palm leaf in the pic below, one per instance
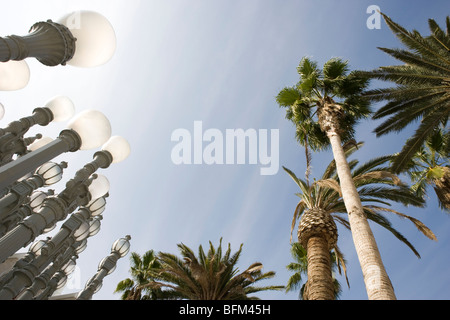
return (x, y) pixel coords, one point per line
(422, 90)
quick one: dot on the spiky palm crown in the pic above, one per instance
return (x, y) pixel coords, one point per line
(141, 270)
(377, 188)
(317, 221)
(422, 90)
(332, 84)
(210, 276)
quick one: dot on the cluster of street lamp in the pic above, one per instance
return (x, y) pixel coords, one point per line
(84, 39)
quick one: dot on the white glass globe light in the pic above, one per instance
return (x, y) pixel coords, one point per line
(118, 147)
(121, 246)
(96, 39)
(37, 246)
(99, 187)
(69, 267)
(51, 172)
(95, 227)
(93, 128)
(14, 75)
(82, 232)
(36, 200)
(81, 247)
(62, 108)
(97, 206)
(62, 282)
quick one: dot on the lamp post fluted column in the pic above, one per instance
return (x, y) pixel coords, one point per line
(50, 43)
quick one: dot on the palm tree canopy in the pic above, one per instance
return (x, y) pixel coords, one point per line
(333, 82)
(422, 88)
(209, 276)
(377, 187)
(430, 164)
(141, 270)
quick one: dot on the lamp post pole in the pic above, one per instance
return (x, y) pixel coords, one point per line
(68, 140)
(107, 266)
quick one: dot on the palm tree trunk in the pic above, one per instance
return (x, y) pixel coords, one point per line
(320, 280)
(377, 282)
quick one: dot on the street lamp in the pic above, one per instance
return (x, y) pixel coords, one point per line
(119, 249)
(12, 141)
(48, 257)
(22, 199)
(57, 208)
(81, 38)
(89, 130)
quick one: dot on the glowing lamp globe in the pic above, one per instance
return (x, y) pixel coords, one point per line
(96, 39)
(118, 147)
(61, 107)
(14, 75)
(121, 246)
(93, 128)
(99, 187)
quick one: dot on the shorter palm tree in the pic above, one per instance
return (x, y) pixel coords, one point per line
(142, 269)
(210, 276)
(321, 204)
(300, 267)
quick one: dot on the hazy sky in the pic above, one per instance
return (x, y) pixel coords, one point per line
(222, 63)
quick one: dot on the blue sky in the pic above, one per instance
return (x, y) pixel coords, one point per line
(223, 63)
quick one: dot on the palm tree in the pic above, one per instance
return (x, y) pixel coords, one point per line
(321, 204)
(142, 269)
(300, 267)
(211, 276)
(330, 99)
(422, 88)
(429, 166)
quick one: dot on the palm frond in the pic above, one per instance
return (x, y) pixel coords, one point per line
(429, 123)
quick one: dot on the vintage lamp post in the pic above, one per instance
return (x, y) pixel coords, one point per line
(107, 266)
(88, 130)
(81, 38)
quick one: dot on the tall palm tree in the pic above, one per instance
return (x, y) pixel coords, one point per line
(430, 166)
(300, 267)
(330, 100)
(211, 276)
(422, 88)
(142, 269)
(324, 199)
